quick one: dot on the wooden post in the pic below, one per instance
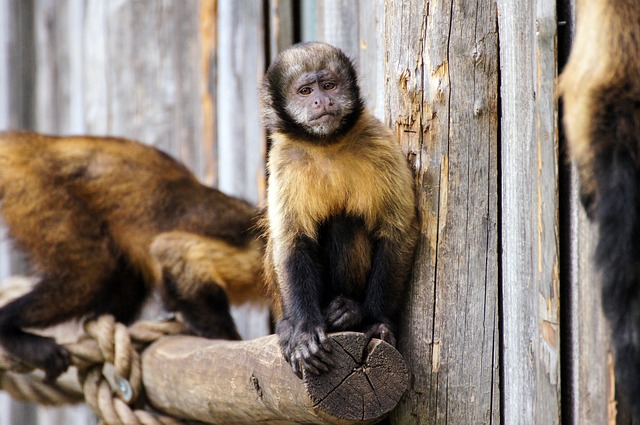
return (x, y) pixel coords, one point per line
(222, 382)
(442, 101)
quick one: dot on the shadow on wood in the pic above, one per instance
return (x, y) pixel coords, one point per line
(231, 382)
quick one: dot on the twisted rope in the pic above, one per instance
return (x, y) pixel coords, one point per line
(106, 356)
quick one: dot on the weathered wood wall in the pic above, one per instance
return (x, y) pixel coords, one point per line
(502, 321)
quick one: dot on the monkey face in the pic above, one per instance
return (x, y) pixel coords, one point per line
(311, 92)
(318, 101)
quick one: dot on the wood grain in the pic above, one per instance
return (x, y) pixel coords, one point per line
(530, 238)
(442, 102)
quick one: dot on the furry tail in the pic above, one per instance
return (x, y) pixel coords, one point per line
(618, 259)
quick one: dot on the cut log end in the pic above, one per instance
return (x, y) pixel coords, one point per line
(367, 382)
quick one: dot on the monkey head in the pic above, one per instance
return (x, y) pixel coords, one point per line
(311, 92)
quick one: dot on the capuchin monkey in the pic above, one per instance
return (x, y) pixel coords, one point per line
(341, 207)
(105, 220)
(600, 88)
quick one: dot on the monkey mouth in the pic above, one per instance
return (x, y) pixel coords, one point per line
(321, 117)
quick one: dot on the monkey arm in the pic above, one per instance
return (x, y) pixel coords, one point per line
(385, 284)
(301, 283)
(391, 266)
(301, 331)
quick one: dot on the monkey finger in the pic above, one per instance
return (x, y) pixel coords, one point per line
(387, 336)
(324, 358)
(318, 356)
(310, 367)
(56, 364)
(315, 361)
(337, 303)
(334, 315)
(383, 332)
(315, 365)
(295, 365)
(302, 359)
(348, 320)
(324, 340)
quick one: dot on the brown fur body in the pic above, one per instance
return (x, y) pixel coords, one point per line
(600, 88)
(106, 220)
(357, 176)
(341, 207)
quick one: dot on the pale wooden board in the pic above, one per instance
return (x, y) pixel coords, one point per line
(530, 245)
(241, 65)
(281, 31)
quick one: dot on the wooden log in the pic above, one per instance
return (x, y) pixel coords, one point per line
(225, 382)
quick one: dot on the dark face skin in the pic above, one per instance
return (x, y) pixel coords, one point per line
(318, 101)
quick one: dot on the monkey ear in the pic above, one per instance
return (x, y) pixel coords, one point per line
(273, 97)
(270, 117)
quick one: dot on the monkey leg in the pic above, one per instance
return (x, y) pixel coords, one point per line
(347, 249)
(52, 301)
(206, 310)
(200, 275)
(34, 350)
(81, 271)
(55, 300)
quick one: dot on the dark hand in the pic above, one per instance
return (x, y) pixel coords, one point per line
(343, 314)
(304, 347)
(54, 359)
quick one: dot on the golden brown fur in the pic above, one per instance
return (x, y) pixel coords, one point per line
(604, 57)
(600, 88)
(341, 207)
(105, 220)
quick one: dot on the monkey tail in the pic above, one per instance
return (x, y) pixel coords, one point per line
(618, 260)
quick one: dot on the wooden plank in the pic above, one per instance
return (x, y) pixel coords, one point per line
(21, 63)
(334, 22)
(142, 81)
(241, 138)
(208, 33)
(281, 31)
(442, 101)
(241, 64)
(371, 17)
(104, 75)
(5, 36)
(18, 51)
(58, 94)
(5, 102)
(530, 274)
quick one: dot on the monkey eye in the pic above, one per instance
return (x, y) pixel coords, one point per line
(329, 85)
(305, 91)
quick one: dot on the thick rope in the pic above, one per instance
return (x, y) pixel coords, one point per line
(107, 360)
